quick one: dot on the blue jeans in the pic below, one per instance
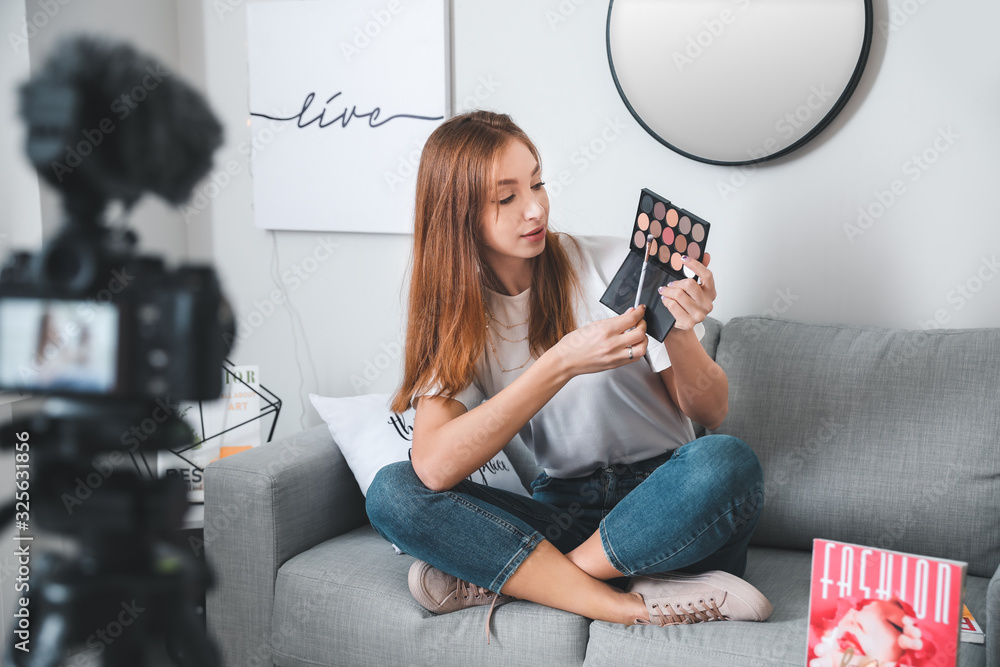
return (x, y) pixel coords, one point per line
(690, 510)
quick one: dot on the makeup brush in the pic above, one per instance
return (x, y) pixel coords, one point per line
(642, 274)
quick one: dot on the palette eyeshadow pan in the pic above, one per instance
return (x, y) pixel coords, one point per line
(676, 232)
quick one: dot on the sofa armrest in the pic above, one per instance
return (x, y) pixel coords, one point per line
(993, 621)
(262, 507)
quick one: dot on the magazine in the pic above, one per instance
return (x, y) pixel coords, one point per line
(872, 607)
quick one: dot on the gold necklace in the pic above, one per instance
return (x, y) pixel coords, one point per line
(505, 326)
(492, 317)
(493, 346)
(497, 356)
(509, 340)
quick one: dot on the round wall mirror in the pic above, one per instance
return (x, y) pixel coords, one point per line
(737, 81)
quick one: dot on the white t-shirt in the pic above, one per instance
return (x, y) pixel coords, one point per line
(622, 415)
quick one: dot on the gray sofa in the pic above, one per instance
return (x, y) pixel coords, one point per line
(875, 436)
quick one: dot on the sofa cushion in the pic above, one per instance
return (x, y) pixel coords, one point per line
(880, 437)
(780, 574)
(346, 602)
(710, 341)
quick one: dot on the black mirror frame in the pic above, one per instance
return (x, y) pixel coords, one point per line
(852, 84)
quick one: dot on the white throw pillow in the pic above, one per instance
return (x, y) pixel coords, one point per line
(372, 436)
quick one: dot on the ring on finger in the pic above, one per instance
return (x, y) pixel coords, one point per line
(630, 352)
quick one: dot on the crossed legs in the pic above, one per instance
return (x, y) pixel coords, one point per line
(693, 513)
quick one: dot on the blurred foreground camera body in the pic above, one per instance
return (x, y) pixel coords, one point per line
(77, 318)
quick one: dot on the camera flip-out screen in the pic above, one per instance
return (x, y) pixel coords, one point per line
(58, 346)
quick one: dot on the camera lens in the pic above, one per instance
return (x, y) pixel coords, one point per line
(63, 266)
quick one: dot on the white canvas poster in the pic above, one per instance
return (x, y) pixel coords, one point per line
(343, 95)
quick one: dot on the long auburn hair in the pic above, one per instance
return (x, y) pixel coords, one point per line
(456, 193)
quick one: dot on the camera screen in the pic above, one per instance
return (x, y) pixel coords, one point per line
(58, 346)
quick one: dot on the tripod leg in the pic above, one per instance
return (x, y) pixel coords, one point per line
(187, 643)
(124, 652)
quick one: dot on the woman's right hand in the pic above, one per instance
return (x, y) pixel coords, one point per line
(604, 344)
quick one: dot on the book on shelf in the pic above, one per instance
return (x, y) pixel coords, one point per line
(972, 632)
(219, 428)
(875, 607)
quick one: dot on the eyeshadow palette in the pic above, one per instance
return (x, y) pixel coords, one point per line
(675, 233)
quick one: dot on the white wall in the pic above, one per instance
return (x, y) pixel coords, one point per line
(779, 238)
(191, 65)
(340, 314)
(783, 230)
(21, 222)
(150, 26)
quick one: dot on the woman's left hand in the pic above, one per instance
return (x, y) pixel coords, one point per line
(687, 300)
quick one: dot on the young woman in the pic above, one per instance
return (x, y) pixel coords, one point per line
(503, 309)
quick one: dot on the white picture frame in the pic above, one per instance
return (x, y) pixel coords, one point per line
(342, 97)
